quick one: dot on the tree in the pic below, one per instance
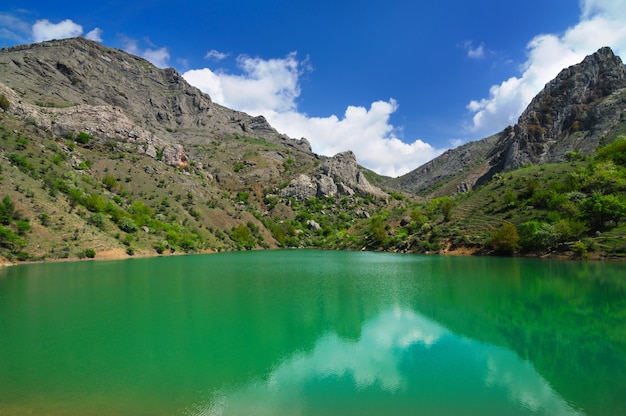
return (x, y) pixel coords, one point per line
(505, 240)
(601, 209)
(377, 230)
(242, 236)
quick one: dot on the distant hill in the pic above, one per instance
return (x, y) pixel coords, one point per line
(582, 108)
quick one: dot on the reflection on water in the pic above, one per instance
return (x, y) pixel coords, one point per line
(384, 359)
(310, 332)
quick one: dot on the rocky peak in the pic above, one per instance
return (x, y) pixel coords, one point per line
(573, 112)
(563, 108)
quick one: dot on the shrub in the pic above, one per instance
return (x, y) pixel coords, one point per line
(4, 102)
(615, 151)
(90, 253)
(98, 220)
(83, 138)
(127, 225)
(580, 250)
(505, 240)
(23, 226)
(109, 181)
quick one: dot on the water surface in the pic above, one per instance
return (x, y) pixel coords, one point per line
(312, 332)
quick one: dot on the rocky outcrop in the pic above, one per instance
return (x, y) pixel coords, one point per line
(175, 156)
(574, 112)
(338, 176)
(564, 115)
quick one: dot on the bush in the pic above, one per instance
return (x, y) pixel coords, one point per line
(127, 225)
(90, 253)
(109, 181)
(505, 240)
(83, 138)
(4, 102)
(98, 220)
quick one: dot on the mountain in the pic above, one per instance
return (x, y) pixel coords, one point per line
(104, 155)
(581, 109)
(96, 137)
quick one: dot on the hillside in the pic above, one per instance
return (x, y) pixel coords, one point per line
(103, 155)
(102, 152)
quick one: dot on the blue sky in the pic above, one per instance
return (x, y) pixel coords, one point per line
(397, 82)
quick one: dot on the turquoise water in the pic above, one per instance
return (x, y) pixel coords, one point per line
(311, 332)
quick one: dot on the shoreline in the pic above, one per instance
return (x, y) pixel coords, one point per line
(114, 254)
(117, 254)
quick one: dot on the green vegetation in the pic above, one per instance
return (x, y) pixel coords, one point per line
(576, 207)
(65, 196)
(4, 102)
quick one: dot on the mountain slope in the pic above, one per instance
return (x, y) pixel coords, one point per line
(100, 150)
(582, 108)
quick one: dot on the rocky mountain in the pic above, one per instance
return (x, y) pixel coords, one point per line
(80, 85)
(582, 108)
(104, 155)
(82, 122)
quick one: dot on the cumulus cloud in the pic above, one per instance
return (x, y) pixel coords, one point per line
(159, 57)
(602, 23)
(271, 87)
(45, 30)
(95, 35)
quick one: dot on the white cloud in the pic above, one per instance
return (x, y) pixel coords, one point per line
(159, 57)
(45, 30)
(271, 87)
(216, 55)
(603, 23)
(477, 52)
(95, 35)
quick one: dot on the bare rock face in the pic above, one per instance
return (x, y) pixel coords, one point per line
(301, 188)
(175, 156)
(338, 176)
(343, 169)
(548, 128)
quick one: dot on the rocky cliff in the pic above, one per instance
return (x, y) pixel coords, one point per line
(583, 107)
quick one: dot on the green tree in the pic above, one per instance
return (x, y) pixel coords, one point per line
(505, 239)
(242, 236)
(83, 138)
(98, 220)
(377, 230)
(601, 210)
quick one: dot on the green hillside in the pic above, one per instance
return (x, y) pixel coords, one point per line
(575, 208)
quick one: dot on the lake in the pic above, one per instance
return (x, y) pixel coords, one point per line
(305, 332)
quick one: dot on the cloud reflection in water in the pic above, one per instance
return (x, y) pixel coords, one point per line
(377, 361)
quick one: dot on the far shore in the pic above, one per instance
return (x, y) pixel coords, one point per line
(120, 254)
